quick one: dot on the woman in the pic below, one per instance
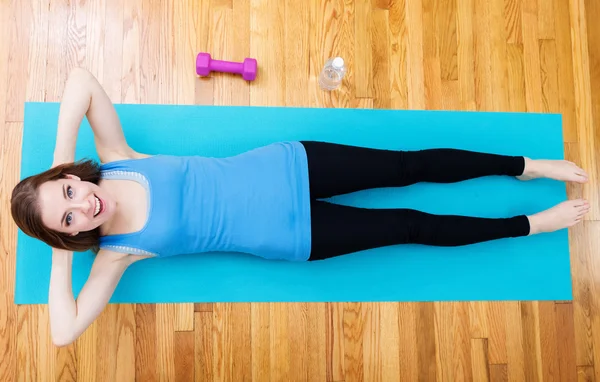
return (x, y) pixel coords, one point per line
(263, 202)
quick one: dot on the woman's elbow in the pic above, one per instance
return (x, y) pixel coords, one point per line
(62, 340)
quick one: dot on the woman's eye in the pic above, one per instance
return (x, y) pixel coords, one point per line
(69, 192)
(69, 219)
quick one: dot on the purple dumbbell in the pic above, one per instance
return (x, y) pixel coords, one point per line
(205, 64)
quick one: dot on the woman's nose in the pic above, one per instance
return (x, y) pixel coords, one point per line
(84, 206)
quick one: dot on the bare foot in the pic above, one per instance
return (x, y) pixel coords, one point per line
(563, 215)
(554, 169)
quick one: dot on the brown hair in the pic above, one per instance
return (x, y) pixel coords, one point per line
(25, 208)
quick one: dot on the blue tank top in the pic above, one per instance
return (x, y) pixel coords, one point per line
(256, 202)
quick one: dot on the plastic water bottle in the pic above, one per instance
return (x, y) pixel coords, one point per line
(332, 74)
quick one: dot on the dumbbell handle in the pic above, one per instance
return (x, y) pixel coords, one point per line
(226, 66)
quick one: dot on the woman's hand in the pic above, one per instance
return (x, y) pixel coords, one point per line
(83, 96)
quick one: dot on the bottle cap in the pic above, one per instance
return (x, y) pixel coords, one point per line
(338, 63)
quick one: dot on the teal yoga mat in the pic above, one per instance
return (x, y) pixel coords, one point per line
(529, 268)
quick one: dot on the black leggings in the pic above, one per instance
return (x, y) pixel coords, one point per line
(338, 169)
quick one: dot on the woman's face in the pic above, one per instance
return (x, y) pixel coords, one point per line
(72, 206)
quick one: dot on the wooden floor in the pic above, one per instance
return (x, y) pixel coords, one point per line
(502, 55)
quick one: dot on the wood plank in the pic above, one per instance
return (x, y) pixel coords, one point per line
(18, 57)
(444, 341)
(515, 342)
(220, 49)
(184, 356)
(38, 50)
(86, 363)
(75, 53)
(498, 328)
(93, 29)
(398, 62)
(582, 294)
(583, 101)
(390, 346)
(548, 341)
(446, 20)
(232, 342)
(298, 342)
(279, 348)
(499, 373)
(241, 49)
(10, 154)
(331, 36)
(592, 11)
(531, 57)
(480, 362)
(565, 342)
(203, 353)
(145, 342)
(125, 342)
(316, 342)
(56, 66)
(453, 342)
(585, 374)
(380, 54)
(564, 59)
(113, 47)
(46, 357)
(382, 4)
(513, 22)
(203, 307)
(516, 78)
(466, 54)
(107, 328)
(545, 10)
(150, 51)
(165, 346)
(549, 76)
(203, 87)
(335, 342)
(130, 65)
(297, 16)
(462, 357)
(66, 365)
(354, 326)
(363, 55)
(483, 52)
(498, 61)
(371, 337)
(307, 343)
(27, 346)
(478, 319)
(532, 356)
(266, 46)
(184, 318)
(431, 58)
(450, 95)
(425, 321)
(261, 339)
(415, 71)
(407, 337)
(592, 234)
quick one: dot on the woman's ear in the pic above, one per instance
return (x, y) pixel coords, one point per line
(69, 176)
(75, 234)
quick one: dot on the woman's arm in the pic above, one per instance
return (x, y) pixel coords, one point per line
(83, 96)
(69, 318)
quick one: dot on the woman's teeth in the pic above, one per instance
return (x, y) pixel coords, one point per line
(97, 205)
